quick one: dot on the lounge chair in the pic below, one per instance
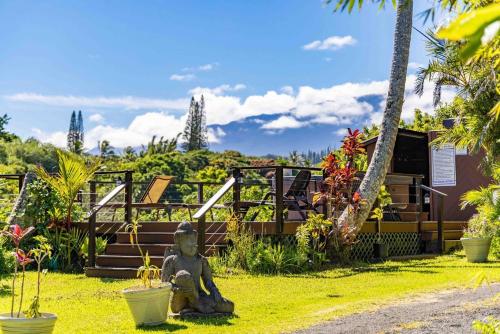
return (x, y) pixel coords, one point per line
(295, 199)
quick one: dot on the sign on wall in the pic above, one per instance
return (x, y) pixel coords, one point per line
(444, 171)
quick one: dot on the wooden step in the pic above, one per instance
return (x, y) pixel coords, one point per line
(126, 261)
(447, 225)
(413, 216)
(128, 249)
(452, 245)
(447, 235)
(164, 237)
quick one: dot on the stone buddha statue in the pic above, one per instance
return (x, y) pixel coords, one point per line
(185, 268)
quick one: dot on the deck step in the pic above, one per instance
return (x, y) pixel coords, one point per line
(127, 249)
(126, 261)
(447, 235)
(164, 237)
(447, 225)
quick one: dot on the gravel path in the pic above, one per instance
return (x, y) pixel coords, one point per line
(445, 312)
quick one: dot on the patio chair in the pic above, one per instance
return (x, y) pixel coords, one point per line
(295, 199)
(153, 193)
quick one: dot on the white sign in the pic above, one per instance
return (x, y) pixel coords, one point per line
(444, 172)
(461, 150)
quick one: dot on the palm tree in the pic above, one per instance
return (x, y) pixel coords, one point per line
(73, 174)
(475, 128)
(105, 149)
(379, 164)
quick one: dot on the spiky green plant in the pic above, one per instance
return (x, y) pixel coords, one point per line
(73, 174)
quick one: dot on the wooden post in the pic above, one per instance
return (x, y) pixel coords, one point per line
(418, 202)
(440, 224)
(279, 199)
(92, 223)
(201, 222)
(21, 182)
(128, 197)
(236, 192)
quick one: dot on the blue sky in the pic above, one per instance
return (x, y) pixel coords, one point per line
(276, 70)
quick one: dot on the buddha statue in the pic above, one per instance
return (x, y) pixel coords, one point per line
(185, 268)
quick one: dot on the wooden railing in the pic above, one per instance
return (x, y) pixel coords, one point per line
(440, 215)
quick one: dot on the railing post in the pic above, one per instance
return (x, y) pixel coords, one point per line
(418, 203)
(92, 223)
(21, 182)
(236, 192)
(201, 222)
(440, 224)
(128, 197)
(279, 199)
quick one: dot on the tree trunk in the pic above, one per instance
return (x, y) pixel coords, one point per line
(381, 159)
(20, 204)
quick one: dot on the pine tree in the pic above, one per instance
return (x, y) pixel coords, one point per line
(195, 132)
(80, 127)
(72, 133)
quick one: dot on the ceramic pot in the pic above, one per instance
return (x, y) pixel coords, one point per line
(43, 325)
(149, 307)
(476, 249)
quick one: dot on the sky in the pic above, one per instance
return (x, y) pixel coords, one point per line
(276, 75)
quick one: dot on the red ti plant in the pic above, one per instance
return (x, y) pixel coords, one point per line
(340, 172)
(16, 234)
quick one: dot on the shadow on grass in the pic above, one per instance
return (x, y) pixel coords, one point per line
(5, 290)
(212, 321)
(162, 328)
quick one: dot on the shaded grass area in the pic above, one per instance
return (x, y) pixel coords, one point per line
(264, 304)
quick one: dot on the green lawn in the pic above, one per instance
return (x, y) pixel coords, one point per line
(264, 304)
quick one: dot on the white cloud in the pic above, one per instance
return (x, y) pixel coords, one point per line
(219, 90)
(215, 135)
(58, 138)
(341, 104)
(331, 43)
(341, 132)
(283, 122)
(201, 68)
(182, 77)
(127, 102)
(287, 90)
(96, 118)
(414, 65)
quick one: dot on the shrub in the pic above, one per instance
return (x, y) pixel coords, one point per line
(7, 261)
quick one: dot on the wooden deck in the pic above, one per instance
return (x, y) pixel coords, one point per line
(121, 260)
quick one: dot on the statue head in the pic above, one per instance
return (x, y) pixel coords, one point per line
(186, 239)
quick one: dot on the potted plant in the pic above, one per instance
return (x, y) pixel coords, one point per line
(148, 302)
(483, 226)
(31, 320)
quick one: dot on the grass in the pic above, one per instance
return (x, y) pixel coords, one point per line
(264, 304)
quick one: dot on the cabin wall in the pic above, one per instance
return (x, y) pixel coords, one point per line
(468, 177)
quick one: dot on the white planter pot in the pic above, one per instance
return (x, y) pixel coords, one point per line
(43, 325)
(476, 249)
(149, 307)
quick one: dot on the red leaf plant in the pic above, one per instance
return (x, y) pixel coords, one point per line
(340, 173)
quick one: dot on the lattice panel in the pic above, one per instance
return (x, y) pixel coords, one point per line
(403, 243)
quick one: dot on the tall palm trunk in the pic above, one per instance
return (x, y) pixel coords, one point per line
(379, 164)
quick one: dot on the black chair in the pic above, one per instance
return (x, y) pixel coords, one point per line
(295, 199)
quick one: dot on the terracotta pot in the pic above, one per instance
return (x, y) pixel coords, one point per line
(43, 325)
(149, 307)
(476, 249)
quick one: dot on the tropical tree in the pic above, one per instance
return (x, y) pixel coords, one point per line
(161, 147)
(469, 62)
(195, 132)
(73, 174)
(379, 164)
(105, 149)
